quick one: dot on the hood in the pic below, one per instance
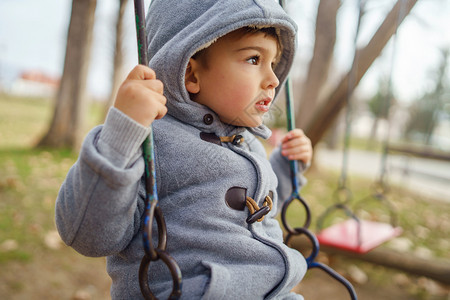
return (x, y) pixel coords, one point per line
(176, 29)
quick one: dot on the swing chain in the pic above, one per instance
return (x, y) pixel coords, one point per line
(154, 213)
(380, 188)
(342, 195)
(152, 210)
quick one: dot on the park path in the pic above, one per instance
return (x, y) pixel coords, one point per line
(430, 178)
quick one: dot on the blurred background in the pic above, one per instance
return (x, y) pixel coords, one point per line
(371, 88)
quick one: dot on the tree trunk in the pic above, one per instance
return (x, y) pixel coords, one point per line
(66, 126)
(117, 76)
(320, 63)
(436, 269)
(373, 133)
(363, 60)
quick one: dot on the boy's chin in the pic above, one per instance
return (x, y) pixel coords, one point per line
(253, 123)
(250, 121)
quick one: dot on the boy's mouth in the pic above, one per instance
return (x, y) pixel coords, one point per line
(264, 104)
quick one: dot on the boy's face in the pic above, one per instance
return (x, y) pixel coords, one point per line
(234, 77)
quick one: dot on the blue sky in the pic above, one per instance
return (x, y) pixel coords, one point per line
(33, 35)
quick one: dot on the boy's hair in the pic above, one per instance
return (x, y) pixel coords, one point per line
(268, 31)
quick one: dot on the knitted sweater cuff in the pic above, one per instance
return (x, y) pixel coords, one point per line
(121, 138)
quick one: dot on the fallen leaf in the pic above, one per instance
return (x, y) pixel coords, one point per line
(52, 240)
(9, 245)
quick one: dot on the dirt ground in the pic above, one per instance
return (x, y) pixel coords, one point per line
(81, 278)
(319, 286)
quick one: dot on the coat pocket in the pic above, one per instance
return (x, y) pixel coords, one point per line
(218, 281)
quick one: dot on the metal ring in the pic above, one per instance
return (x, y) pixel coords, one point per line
(151, 212)
(284, 211)
(314, 242)
(174, 271)
(343, 195)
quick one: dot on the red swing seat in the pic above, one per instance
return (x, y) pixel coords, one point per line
(344, 235)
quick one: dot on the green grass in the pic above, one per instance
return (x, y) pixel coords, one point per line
(33, 263)
(21, 120)
(30, 179)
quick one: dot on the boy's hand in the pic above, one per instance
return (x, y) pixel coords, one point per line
(141, 96)
(295, 145)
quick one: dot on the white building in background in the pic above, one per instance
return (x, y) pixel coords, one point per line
(35, 84)
(441, 134)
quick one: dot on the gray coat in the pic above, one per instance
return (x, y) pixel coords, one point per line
(202, 183)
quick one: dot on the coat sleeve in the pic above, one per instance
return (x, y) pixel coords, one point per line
(280, 166)
(98, 208)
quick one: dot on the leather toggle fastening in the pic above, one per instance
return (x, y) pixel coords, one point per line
(236, 139)
(257, 213)
(211, 138)
(236, 198)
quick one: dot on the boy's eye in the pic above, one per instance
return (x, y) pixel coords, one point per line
(254, 60)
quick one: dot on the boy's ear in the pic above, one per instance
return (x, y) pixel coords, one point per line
(191, 78)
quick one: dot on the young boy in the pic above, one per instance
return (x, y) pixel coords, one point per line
(219, 64)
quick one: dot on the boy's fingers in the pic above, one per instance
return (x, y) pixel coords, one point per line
(141, 72)
(304, 156)
(147, 77)
(159, 98)
(296, 142)
(291, 143)
(297, 150)
(150, 98)
(161, 112)
(155, 85)
(295, 133)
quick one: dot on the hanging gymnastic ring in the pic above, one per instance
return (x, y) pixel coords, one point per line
(154, 212)
(310, 261)
(314, 242)
(286, 204)
(174, 271)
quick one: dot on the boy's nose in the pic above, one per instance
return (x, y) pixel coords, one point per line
(271, 80)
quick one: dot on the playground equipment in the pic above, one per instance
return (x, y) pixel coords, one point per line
(297, 231)
(152, 210)
(354, 234)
